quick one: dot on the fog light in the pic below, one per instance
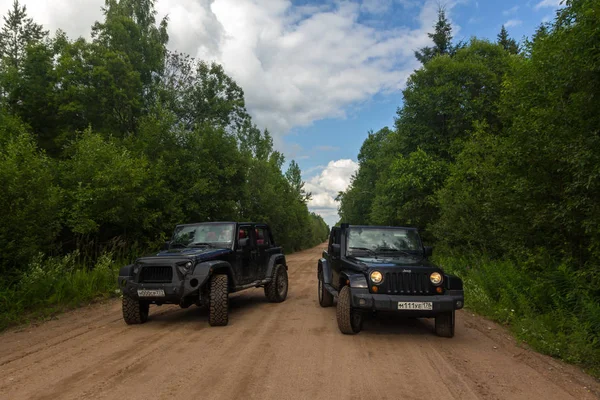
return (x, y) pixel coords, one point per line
(362, 302)
(459, 304)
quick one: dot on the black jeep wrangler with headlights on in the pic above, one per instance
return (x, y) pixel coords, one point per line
(202, 264)
(372, 268)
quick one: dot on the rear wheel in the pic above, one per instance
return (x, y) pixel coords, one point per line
(325, 298)
(134, 311)
(218, 311)
(276, 290)
(349, 319)
(444, 324)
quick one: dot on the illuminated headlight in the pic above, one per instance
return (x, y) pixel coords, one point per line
(436, 278)
(376, 277)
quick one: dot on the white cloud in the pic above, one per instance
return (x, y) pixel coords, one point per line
(513, 22)
(296, 64)
(548, 3)
(334, 178)
(511, 10)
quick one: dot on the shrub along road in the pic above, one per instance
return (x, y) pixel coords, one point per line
(291, 350)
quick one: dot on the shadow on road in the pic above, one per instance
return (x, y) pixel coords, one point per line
(238, 303)
(391, 324)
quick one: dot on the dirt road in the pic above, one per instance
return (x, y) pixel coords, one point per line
(291, 350)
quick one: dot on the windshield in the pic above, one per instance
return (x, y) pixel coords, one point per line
(212, 235)
(376, 241)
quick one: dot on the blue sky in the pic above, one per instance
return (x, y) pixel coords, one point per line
(341, 138)
(318, 74)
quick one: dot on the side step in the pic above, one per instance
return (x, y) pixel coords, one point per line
(253, 284)
(331, 289)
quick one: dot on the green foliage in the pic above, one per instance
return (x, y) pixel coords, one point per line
(509, 44)
(50, 284)
(17, 33)
(30, 201)
(554, 312)
(495, 156)
(106, 145)
(442, 40)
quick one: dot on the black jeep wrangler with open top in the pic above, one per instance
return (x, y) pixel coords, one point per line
(201, 265)
(371, 268)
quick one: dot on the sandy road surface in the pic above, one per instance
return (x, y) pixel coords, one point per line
(291, 350)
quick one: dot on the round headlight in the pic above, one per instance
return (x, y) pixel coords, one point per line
(436, 278)
(188, 265)
(376, 277)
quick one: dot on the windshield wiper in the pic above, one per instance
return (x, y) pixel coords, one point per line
(363, 249)
(392, 250)
(201, 244)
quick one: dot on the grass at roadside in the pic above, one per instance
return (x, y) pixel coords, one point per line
(552, 310)
(51, 285)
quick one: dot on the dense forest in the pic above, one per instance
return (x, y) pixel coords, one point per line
(106, 144)
(495, 156)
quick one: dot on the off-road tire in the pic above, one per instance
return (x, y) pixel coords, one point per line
(349, 319)
(135, 311)
(276, 290)
(325, 298)
(444, 324)
(218, 309)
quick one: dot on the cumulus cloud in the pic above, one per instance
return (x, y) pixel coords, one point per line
(334, 178)
(513, 22)
(296, 64)
(548, 4)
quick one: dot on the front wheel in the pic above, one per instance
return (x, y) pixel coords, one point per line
(349, 319)
(134, 311)
(276, 290)
(444, 324)
(218, 310)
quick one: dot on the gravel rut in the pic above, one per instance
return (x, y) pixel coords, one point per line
(291, 350)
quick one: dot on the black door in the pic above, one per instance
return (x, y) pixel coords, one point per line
(243, 266)
(264, 245)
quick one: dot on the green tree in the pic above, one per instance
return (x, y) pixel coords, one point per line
(509, 44)
(442, 40)
(17, 33)
(30, 199)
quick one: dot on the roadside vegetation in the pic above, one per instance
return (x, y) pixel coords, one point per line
(106, 144)
(495, 155)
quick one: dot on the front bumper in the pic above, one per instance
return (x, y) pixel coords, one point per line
(451, 300)
(174, 291)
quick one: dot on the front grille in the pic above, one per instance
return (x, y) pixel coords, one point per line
(407, 283)
(156, 275)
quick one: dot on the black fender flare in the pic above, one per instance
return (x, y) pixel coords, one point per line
(274, 260)
(126, 270)
(453, 282)
(202, 272)
(324, 267)
(353, 280)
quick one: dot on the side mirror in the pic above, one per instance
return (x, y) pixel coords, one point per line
(336, 249)
(242, 243)
(427, 251)
(166, 245)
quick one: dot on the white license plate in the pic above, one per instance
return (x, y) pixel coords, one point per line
(415, 305)
(151, 293)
